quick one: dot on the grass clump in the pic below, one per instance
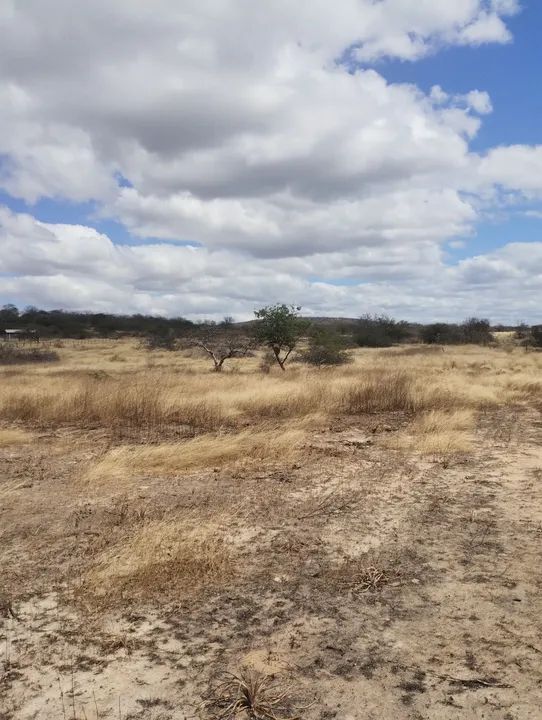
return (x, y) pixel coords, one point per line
(160, 558)
(201, 452)
(438, 433)
(249, 694)
(15, 355)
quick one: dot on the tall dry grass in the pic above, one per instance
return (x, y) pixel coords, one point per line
(109, 403)
(438, 433)
(156, 399)
(87, 389)
(261, 446)
(392, 391)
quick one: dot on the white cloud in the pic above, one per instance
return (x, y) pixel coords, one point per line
(244, 131)
(80, 268)
(488, 27)
(479, 101)
(165, 92)
(516, 167)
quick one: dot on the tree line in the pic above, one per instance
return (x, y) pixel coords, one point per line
(81, 325)
(279, 328)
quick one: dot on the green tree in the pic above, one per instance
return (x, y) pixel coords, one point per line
(9, 315)
(380, 331)
(280, 328)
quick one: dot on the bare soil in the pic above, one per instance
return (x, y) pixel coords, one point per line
(372, 583)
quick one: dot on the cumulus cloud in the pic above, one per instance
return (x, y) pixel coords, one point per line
(78, 267)
(217, 96)
(262, 139)
(516, 168)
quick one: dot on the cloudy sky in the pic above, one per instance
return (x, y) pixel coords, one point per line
(205, 157)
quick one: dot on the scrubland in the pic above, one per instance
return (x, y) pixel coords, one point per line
(351, 542)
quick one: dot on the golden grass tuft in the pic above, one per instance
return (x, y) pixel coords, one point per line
(441, 421)
(111, 403)
(438, 433)
(159, 558)
(201, 452)
(393, 391)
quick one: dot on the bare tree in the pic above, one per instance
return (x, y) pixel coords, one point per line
(221, 345)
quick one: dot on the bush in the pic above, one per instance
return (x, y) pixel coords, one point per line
(325, 348)
(475, 331)
(13, 355)
(536, 336)
(440, 334)
(523, 334)
(380, 331)
(160, 341)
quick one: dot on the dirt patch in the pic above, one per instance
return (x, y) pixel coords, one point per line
(360, 580)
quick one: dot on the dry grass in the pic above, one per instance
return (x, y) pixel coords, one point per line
(444, 443)
(249, 694)
(436, 421)
(20, 354)
(131, 402)
(248, 415)
(87, 389)
(393, 391)
(179, 556)
(312, 512)
(363, 575)
(201, 452)
(14, 436)
(438, 433)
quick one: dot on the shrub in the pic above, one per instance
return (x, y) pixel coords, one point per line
(536, 335)
(523, 334)
(476, 331)
(12, 355)
(440, 334)
(380, 331)
(473, 330)
(221, 343)
(160, 341)
(326, 347)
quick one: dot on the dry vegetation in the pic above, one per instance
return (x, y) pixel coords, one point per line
(184, 520)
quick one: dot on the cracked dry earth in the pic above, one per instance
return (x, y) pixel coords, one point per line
(450, 628)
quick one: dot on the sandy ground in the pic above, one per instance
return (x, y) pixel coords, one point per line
(451, 628)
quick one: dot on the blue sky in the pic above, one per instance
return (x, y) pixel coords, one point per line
(178, 169)
(510, 73)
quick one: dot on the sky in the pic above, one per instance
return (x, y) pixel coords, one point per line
(207, 157)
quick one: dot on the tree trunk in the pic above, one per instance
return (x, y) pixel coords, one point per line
(277, 356)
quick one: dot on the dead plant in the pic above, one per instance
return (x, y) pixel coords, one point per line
(250, 694)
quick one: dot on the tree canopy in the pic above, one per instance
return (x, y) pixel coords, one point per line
(280, 328)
